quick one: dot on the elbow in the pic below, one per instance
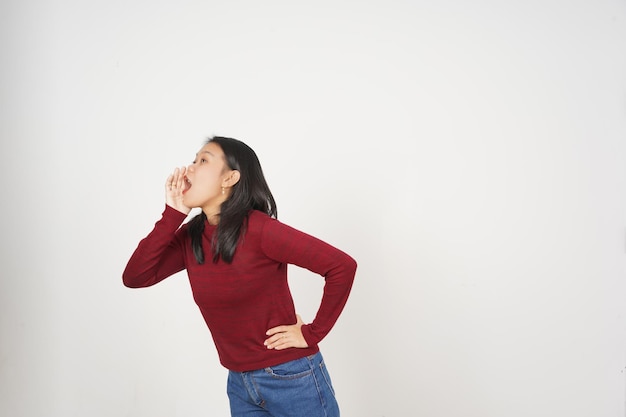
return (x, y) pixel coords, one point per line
(350, 266)
(132, 281)
(128, 282)
(353, 265)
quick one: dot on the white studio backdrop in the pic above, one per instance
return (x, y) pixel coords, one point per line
(470, 155)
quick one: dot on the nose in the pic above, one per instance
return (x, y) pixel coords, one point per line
(190, 167)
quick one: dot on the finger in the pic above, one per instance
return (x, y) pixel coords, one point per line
(172, 180)
(176, 178)
(291, 340)
(175, 182)
(283, 344)
(274, 330)
(275, 340)
(181, 177)
(168, 182)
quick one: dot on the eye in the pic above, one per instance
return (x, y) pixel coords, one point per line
(202, 161)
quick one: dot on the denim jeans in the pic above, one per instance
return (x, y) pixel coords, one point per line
(299, 388)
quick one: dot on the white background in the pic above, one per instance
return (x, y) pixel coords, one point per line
(471, 155)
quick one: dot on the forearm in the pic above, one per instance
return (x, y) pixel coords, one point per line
(157, 256)
(336, 291)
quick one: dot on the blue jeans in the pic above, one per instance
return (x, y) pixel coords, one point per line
(299, 388)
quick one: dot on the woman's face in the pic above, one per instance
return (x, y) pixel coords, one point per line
(205, 178)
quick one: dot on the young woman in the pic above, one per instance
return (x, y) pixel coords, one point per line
(236, 254)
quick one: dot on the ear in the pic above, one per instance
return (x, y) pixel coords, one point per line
(232, 178)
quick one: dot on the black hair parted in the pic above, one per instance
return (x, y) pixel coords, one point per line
(251, 192)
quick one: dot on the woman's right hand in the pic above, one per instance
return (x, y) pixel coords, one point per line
(174, 187)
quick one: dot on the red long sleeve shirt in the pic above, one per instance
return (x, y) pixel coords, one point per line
(240, 301)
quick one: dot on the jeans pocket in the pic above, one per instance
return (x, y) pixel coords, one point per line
(326, 376)
(298, 368)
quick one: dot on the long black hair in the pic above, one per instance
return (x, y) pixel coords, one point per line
(251, 192)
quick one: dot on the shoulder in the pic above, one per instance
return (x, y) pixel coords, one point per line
(257, 222)
(257, 218)
(264, 225)
(261, 220)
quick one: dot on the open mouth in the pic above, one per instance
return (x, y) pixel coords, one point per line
(187, 184)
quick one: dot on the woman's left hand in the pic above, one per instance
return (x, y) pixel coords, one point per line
(287, 336)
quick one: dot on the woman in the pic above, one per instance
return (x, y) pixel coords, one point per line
(236, 254)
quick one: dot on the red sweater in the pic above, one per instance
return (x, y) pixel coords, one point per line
(240, 301)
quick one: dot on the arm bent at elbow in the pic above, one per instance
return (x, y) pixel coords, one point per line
(158, 255)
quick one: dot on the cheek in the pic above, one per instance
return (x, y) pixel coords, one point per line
(202, 189)
(207, 183)
(195, 196)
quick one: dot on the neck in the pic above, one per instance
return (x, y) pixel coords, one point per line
(213, 209)
(212, 216)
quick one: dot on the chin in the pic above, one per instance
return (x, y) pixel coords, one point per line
(190, 203)
(187, 202)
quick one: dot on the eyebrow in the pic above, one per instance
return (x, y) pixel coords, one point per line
(205, 152)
